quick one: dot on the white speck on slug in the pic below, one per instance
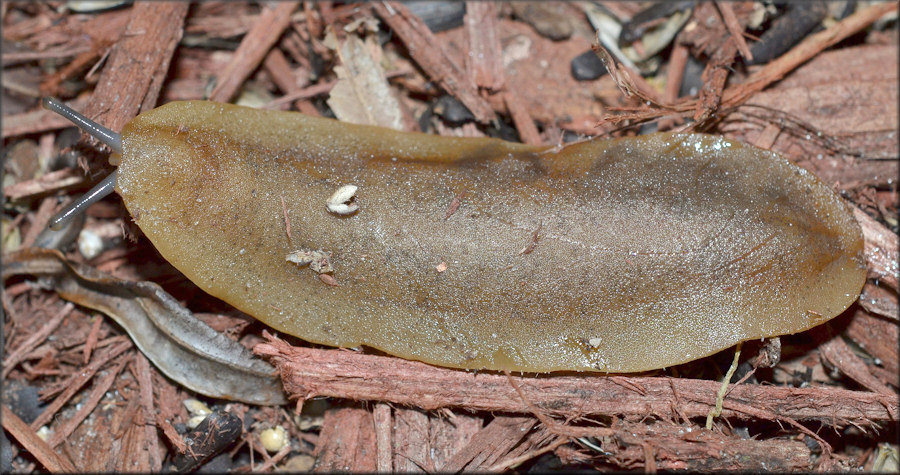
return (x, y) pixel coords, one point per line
(341, 201)
(319, 261)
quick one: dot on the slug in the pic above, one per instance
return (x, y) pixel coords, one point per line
(619, 255)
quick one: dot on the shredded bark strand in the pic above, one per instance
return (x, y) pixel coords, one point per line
(308, 372)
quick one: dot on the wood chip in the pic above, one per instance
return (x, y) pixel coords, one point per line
(128, 86)
(35, 339)
(148, 412)
(347, 441)
(51, 182)
(735, 29)
(26, 436)
(484, 64)
(309, 372)
(77, 380)
(428, 52)
(838, 355)
(254, 47)
(65, 430)
(490, 444)
(383, 424)
(528, 132)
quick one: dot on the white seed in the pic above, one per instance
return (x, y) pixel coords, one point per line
(340, 202)
(195, 421)
(90, 245)
(274, 439)
(44, 433)
(197, 408)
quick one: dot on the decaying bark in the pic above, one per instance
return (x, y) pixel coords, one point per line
(309, 372)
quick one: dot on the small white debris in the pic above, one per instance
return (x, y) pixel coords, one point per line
(595, 342)
(44, 433)
(341, 202)
(195, 421)
(274, 439)
(197, 408)
(90, 245)
(319, 261)
(441, 267)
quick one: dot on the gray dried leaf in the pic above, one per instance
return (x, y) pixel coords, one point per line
(181, 346)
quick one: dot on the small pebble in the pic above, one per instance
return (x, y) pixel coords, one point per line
(453, 111)
(587, 66)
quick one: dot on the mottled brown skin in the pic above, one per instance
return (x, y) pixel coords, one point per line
(649, 251)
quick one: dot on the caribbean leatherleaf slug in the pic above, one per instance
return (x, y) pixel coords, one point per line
(609, 255)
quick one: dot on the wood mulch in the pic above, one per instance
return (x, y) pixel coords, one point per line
(79, 396)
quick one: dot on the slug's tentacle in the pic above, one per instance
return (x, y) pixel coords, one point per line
(73, 209)
(101, 133)
(112, 139)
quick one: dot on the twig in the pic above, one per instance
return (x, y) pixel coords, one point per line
(128, 86)
(88, 406)
(804, 51)
(310, 372)
(149, 412)
(881, 250)
(253, 50)
(735, 29)
(26, 436)
(35, 339)
(522, 119)
(528, 456)
(91, 341)
(426, 50)
(383, 450)
(77, 381)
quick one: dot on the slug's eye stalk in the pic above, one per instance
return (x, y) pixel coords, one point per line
(105, 187)
(73, 209)
(101, 133)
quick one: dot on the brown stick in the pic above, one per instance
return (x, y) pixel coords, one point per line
(803, 52)
(35, 339)
(483, 63)
(735, 29)
(77, 381)
(383, 449)
(88, 406)
(528, 132)
(125, 88)
(149, 412)
(426, 50)
(308, 372)
(253, 50)
(20, 431)
(881, 249)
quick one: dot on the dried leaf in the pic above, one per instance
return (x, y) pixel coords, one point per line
(181, 346)
(362, 94)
